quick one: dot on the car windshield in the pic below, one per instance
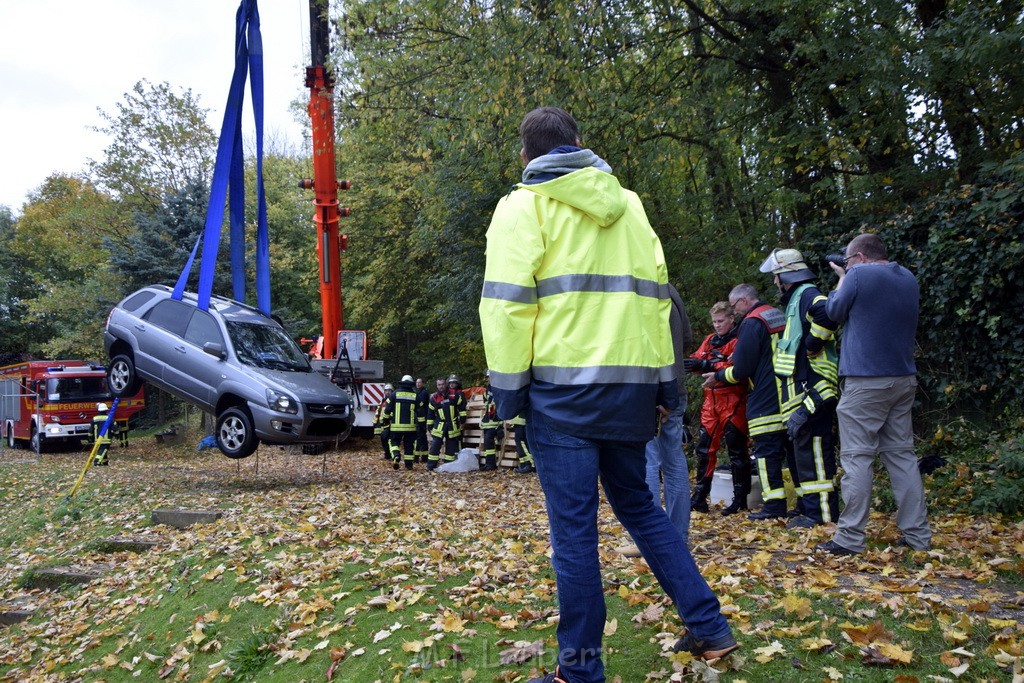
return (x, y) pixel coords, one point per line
(72, 389)
(266, 346)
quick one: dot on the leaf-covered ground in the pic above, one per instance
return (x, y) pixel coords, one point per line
(338, 568)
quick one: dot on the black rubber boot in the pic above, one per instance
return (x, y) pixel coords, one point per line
(740, 490)
(489, 463)
(773, 509)
(699, 497)
(735, 506)
(739, 466)
(702, 487)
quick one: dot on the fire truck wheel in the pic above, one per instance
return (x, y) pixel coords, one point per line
(12, 443)
(36, 442)
(236, 437)
(121, 376)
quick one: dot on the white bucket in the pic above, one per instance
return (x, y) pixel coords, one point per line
(721, 489)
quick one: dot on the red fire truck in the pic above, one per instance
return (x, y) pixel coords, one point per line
(49, 402)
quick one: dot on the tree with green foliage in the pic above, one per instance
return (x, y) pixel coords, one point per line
(160, 143)
(158, 249)
(295, 275)
(14, 289)
(743, 126)
(58, 245)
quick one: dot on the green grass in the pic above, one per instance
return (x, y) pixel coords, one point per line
(270, 595)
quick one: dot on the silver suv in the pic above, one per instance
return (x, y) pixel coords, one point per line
(231, 361)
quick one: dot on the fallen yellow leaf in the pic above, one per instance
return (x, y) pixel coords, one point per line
(769, 652)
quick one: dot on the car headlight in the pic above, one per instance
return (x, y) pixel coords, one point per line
(282, 402)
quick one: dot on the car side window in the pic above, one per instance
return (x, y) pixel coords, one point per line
(171, 315)
(134, 302)
(203, 328)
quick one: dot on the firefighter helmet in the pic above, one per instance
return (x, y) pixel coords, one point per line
(407, 378)
(388, 387)
(453, 378)
(102, 407)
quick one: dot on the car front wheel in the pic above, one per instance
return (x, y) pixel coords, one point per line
(121, 376)
(236, 437)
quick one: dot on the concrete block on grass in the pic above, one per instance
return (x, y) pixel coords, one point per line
(54, 578)
(132, 545)
(183, 519)
(14, 616)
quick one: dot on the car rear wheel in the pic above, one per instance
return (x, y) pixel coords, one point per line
(122, 379)
(236, 437)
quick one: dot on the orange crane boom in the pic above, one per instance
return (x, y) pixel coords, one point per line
(330, 243)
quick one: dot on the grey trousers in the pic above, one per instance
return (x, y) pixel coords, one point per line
(874, 418)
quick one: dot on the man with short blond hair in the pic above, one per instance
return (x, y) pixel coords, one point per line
(723, 415)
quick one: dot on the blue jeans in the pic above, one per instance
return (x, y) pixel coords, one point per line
(665, 454)
(569, 469)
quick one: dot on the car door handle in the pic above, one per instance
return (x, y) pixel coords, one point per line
(140, 328)
(179, 349)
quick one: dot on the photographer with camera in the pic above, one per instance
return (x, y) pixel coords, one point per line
(878, 302)
(805, 363)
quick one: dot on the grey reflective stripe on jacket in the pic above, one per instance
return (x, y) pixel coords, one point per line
(593, 282)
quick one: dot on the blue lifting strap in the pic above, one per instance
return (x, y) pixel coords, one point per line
(105, 428)
(229, 172)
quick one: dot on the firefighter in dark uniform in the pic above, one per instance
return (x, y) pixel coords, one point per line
(807, 365)
(402, 412)
(422, 445)
(491, 427)
(756, 339)
(434, 404)
(120, 428)
(525, 465)
(381, 427)
(448, 418)
(100, 458)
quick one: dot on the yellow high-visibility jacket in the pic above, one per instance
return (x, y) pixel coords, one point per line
(575, 308)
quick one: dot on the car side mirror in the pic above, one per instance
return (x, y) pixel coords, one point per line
(214, 349)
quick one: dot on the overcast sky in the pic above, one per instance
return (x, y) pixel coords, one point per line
(61, 60)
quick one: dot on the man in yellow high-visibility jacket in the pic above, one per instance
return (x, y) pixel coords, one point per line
(575, 317)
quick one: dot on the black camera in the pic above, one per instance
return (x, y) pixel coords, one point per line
(838, 259)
